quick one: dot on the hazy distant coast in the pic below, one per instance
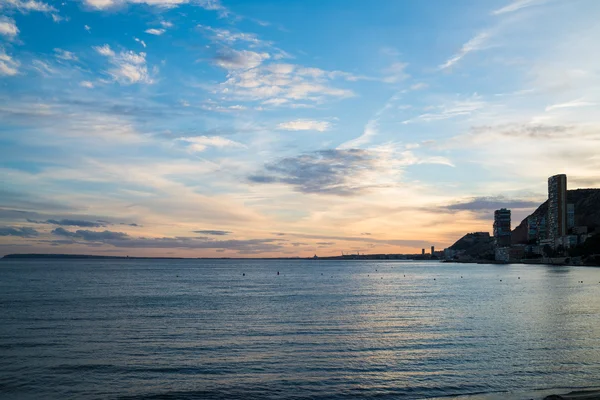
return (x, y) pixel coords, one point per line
(344, 257)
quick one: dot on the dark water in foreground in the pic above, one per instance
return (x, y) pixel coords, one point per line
(321, 329)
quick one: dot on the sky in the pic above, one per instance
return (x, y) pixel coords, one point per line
(266, 128)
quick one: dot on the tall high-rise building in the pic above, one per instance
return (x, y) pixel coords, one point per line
(570, 216)
(502, 232)
(432, 250)
(557, 206)
(422, 252)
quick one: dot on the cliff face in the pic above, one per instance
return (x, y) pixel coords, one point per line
(587, 212)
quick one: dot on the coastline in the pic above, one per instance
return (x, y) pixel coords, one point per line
(522, 262)
(380, 257)
(587, 394)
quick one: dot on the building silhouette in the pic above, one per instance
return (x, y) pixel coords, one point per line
(570, 216)
(502, 233)
(557, 207)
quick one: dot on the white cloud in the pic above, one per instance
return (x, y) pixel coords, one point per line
(570, 104)
(517, 5)
(8, 28)
(275, 83)
(475, 44)
(140, 42)
(305, 125)
(43, 68)
(275, 102)
(395, 72)
(214, 5)
(8, 66)
(419, 86)
(224, 35)
(105, 50)
(128, 67)
(86, 84)
(65, 55)
(166, 24)
(240, 59)
(201, 143)
(87, 28)
(453, 109)
(57, 18)
(222, 109)
(369, 132)
(100, 4)
(28, 5)
(156, 32)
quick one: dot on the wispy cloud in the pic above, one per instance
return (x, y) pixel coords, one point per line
(91, 235)
(570, 104)
(201, 143)
(122, 239)
(419, 86)
(370, 130)
(128, 67)
(231, 59)
(70, 222)
(455, 108)
(65, 55)
(305, 125)
(140, 42)
(491, 203)
(369, 133)
(213, 5)
(341, 172)
(395, 72)
(27, 5)
(24, 232)
(8, 66)
(517, 5)
(251, 79)
(229, 37)
(213, 232)
(8, 28)
(155, 31)
(474, 44)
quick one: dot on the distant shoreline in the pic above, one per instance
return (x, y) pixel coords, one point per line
(380, 257)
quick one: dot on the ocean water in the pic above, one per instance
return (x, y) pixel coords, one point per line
(171, 329)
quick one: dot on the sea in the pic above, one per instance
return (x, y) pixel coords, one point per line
(295, 329)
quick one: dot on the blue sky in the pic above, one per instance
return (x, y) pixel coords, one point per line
(263, 128)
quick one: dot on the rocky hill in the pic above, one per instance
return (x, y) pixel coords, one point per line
(587, 212)
(479, 245)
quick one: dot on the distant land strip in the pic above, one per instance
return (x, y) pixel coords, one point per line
(344, 257)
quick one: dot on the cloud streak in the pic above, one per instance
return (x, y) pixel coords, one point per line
(8, 66)
(491, 203)
(517, 5)
(305, 125)
(201, 143)
(70, 222)
(476, 43)
(24, 232)
(213, 232)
